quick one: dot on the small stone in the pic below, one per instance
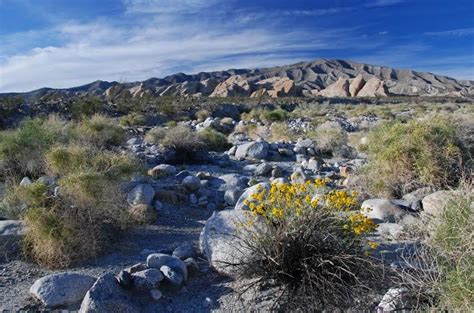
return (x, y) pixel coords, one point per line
(155, 294)
(147, 279)
(25, 182)
(137, 267)
(193, 199)
(124, 279)
(232, 195)
(172, 277)
(184, 251)
(162, 170)
(263, 169)
(141, 194)
(192, 266)
(191, 183)
(277, 172)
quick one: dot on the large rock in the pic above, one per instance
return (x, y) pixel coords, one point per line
(62, 289)
(106, 295)
(235, 85)
(162, 170)
(221, 243)
(240, 205)
(356, 85)
(383, 210)
(252, 150)
(338, 89)
(263, 169)
(147, 279)
(231, 196)
(434, 204)
(234, 180)
(141, 194)
(374, 87)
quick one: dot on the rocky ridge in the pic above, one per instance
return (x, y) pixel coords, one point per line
(322, 77)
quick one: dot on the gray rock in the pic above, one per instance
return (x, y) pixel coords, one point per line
(286, 152)
(25, 181)
(298, 177)
(147, 279)
(46, 180)
(280, 180)
(136, 268)
(163, 170)
(124, 278)
(193, 199)
(61, 289)
(247, 193)
(221, 243)
(134, 141)
(141, 194)
(383, 210)
(231, 196)
(314, 164)
(172, 277)
(395, 299)
(155, 294)
(232, 150)
(434, 204)
(184, 251)
(234, 180)
(263, 169)
(277, 172)
(192, 266)
(157, 260)
(252, 150)
(304, 143)
(191, 183)
(11, 234)
(106, 295)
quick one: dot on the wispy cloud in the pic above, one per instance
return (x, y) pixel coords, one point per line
(383, 3)
(453, 32)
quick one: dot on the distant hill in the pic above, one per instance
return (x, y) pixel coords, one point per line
(328, 78)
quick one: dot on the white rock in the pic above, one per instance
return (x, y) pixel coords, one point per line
(141, 194)
(247, 193)
(382, 209)
(394, 300)
(61, 289)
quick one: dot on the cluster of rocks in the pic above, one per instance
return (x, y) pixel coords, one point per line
(125, 292)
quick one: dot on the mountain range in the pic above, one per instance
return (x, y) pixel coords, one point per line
(322, 77)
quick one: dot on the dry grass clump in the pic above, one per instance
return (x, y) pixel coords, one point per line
(77, 217)
(214, 140)
(311, 250)
(201, 115)
(133, 119)
(406, 156)
(331, 139)
(440, 273)
(181, 139)
(143, 214)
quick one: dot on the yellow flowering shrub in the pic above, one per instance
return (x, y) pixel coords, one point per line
(283, 202)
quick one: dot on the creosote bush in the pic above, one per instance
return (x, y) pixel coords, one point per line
(101, 131)
(312, 249)
(406, 156)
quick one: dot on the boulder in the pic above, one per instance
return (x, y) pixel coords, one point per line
(234, 180)
(252, 150)
(191, 183)
(235, 85)
(247, 193)
(11, 234)
(415, 197)
(162, 170)
(434, 204)
(383, 210)
(231, 196)
(304, 143)
(356, 85)
(374, 87)
(61, 289)
(141, 194)
(263, 169)
(340, 88)
(106, 295)
(147, 279)
(220, 242)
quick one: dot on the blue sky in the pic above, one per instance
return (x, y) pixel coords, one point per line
(64, 43)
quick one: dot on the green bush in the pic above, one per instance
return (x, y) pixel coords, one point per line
(440, 273)
(101, 131)
(86, 106)
(133, 119)
(403, 157)
(21, 150)
(214, 140)
(277, 115)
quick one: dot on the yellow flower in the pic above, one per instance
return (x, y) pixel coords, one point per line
(373, 244)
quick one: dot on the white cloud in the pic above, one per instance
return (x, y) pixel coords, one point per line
(453, 32)
(383, 3)
(167, 6)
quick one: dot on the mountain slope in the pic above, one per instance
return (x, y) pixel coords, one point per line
(322, 77)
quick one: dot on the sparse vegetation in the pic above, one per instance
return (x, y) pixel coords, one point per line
(214, 140)
(406, 156)
(315, 256)
(331, 138)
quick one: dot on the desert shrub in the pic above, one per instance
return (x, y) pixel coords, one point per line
(101, 131)
(440, 272)
(186, 143)
(90, 206)
(21, 150)
(331, 138)
(406, 156)
(143, 214)
(18, 198)
(86, 106)
(133, 119)
(277, 115)
(313, 249)
(214, 140)
(281, 131)
(201, 115)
